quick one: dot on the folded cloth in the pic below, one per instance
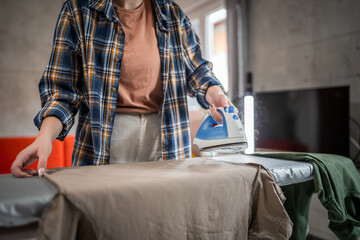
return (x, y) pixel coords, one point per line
(187, 199)
(337, 184)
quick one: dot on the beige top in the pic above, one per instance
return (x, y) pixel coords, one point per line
(195, 198)
(140, 88)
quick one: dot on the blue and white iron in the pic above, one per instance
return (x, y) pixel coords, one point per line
(228, 137)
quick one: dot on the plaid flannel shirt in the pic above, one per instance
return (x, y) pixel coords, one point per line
(84, 69)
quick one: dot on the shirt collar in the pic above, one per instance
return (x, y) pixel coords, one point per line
(103, 6)
(106, 6)
(160, 16)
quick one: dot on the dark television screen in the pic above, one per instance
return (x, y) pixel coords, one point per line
(313, 120)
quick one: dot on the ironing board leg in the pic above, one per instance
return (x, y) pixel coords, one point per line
(297, 204)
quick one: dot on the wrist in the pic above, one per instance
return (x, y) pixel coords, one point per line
(50, 129)
(44, 138)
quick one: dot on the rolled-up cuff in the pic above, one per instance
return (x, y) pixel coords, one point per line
(201, 95)
(59, 110)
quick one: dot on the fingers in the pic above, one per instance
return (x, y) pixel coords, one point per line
(220, 101)
(215, 114)
(31, 171)
(22, 160)
(24, 173)
(18, 172)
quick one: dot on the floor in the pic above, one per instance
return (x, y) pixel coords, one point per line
(310, 237)
(27, 232)
(318, 221)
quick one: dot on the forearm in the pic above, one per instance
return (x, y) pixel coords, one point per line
(50, 128)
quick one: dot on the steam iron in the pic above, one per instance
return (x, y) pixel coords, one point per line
(228, 137)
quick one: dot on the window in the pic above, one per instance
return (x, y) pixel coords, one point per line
(209, 22)
(216, 44)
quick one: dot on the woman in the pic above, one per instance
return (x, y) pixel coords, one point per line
(126, 66)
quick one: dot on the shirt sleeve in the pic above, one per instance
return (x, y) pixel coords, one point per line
(60, 83)
(199, 73)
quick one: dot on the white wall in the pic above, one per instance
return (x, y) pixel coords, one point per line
(300, 44)
(305, 44)
(26, 32)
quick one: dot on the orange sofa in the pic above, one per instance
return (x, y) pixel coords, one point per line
(11, 146)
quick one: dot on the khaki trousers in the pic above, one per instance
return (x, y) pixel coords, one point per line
(136, 137)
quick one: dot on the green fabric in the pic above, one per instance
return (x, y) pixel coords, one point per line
(337, 184)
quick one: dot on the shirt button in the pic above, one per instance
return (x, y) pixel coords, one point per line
(113, 89)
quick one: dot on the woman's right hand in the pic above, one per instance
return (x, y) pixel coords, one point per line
(39, 149)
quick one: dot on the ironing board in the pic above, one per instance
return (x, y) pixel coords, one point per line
(285, 172)
(22, 201)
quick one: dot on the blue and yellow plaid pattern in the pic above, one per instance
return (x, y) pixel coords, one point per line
(84, 69)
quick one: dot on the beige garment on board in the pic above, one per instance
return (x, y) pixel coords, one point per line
(185, 199)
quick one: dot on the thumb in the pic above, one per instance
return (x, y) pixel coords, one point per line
(224, 101)
(43, 157)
